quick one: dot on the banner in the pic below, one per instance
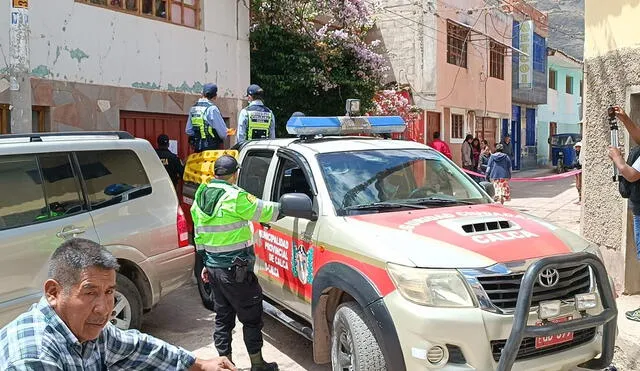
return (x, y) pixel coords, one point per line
(525, 68)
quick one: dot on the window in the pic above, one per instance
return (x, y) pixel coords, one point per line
(5, 116)
(183, 12)
(253, 175)
(553, 79)
(496, 60)
(61, 185)
(20, 178)
(38, 119)
(539, 53)
(113, 177)
(457, 44)
(515, 59)
(569, 85)
(457, 126)
(290, 179)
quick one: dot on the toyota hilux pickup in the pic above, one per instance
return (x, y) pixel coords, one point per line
(389, 257)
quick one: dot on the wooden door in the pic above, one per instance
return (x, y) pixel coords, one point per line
(149, 125)
(433, 125)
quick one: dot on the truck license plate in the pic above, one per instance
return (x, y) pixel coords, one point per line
(547, 341)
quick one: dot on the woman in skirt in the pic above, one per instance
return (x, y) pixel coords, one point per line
(499, 173)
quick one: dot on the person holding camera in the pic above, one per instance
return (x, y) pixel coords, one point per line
(629, 182)
(221, 214)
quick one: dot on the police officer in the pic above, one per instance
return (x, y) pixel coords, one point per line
(256, 121)
(205, 127)
(171, 162)
(221, 214)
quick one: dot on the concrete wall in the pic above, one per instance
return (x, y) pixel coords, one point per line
(78, 42)
(470, 91)
(561, 108)
(407, 31)
(612, 75)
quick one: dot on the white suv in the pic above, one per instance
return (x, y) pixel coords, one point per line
(108, 187)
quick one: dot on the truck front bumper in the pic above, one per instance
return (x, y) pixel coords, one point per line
(475, 339)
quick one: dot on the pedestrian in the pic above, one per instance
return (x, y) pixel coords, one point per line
(632, 175)
(221, 214)
(484, 160)
(508, 148)
(441, 146)
(499, 173)
(205, 127)
(70, 328)
(256, 121)
(170, 160)
(467, 153)
(476, 150)
(577, 164)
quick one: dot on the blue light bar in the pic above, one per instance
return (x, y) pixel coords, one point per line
(345, 125)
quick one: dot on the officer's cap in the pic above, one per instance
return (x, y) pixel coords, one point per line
(225, 165)
(210, 89)
(254, 89)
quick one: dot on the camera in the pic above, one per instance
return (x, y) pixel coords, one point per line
(611, 111)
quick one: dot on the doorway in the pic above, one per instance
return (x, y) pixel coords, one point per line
(433, 125)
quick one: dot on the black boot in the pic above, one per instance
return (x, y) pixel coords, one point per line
(258, 363)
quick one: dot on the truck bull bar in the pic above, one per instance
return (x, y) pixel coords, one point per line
(607, 319)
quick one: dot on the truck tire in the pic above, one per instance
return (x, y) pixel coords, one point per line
(128, 305)
(206, 293)
(353, 345)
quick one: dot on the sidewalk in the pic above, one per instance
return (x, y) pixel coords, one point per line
(557, 202)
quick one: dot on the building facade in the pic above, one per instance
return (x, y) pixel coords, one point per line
(563, 111)
(135, 65)
(456, 59)
(612, 76)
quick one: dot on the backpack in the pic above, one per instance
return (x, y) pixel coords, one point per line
(626, 188)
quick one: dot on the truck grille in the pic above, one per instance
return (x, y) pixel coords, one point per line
(528, 346)
(503, 290)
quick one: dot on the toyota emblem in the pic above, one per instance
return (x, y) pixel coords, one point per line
(549, 278)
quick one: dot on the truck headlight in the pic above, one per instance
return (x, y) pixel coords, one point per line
(431, 287)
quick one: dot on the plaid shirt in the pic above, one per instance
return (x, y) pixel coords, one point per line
(39, 340)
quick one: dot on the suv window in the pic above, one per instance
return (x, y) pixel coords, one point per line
(253, 175)
(61, 186)
(22, 198)
(291, 179)
(113, 177)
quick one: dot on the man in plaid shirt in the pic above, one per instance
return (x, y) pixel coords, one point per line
(69, 328)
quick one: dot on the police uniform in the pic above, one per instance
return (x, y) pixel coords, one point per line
(205, 127)
(221, 214)
(169, 160)
(255, 121)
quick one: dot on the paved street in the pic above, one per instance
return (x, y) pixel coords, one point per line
(182, 320)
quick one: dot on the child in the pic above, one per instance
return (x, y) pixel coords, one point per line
(499, 172)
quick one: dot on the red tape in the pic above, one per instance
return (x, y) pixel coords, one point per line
(547, 178)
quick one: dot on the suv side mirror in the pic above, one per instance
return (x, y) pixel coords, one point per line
(488, 187)
(297, 205)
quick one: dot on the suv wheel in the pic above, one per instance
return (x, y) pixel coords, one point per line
(206, 293)
(127, 311)
(353, 345)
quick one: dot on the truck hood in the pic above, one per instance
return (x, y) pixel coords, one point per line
(463, 236)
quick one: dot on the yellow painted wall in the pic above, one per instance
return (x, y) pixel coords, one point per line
(611, 25)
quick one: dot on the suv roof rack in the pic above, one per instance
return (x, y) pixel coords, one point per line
(37, 137)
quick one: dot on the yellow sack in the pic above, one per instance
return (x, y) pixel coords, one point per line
(199, 166)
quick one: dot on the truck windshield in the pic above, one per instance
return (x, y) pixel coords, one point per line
(395, 178)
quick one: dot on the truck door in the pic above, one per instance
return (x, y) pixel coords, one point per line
(284, 249)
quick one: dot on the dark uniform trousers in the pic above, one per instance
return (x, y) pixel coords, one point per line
(232, 298)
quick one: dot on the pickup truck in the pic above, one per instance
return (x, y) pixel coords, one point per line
(389, 257)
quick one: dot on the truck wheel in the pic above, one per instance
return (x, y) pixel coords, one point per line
(353, 345)
(206, 293)
(127, 311)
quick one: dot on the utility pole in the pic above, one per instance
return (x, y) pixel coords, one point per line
(20, 81)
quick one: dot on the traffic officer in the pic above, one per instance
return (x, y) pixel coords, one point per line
(171, 162)
(256, 121)
(205, 127)
(221, 214)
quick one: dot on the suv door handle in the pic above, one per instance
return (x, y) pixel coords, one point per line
(70, 231)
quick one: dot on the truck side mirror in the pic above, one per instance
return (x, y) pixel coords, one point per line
(488, 187)
(297, 205)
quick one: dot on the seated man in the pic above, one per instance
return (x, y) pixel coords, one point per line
(69, 328)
